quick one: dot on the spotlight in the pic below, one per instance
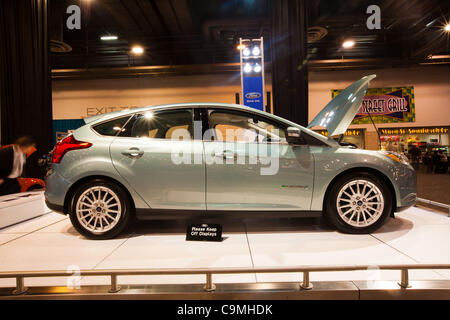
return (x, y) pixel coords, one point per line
(348, 44)
(256, 51)
(447, 27)
(247, 68)
(240, 47)
(246, 52)
(257, 68)
(108, 38)
(137, 50)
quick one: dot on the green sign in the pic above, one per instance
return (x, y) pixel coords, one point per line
(385, 105)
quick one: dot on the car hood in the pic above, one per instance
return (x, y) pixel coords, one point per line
(340, 112)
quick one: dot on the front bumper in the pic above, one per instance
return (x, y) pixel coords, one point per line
(406, 186)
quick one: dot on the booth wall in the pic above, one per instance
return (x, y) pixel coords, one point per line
(82, 98)
(431, 91)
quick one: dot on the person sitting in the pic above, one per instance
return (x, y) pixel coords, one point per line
(12, 161)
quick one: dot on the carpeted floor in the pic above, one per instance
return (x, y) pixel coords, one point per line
(434, 187)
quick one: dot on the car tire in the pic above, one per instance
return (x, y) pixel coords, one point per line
(100, 210)
(358, 203)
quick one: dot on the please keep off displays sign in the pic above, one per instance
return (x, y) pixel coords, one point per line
(204, 232)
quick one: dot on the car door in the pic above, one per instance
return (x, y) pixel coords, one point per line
(157, 155)
(250, 165)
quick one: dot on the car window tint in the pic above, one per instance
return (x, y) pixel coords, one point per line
(161, 125)
(236, 127)
(112, 127)
(310, 140)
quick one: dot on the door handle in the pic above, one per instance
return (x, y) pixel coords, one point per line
(227, 154)
(133, 153)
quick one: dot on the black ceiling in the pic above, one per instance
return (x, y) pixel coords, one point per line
(187, 32)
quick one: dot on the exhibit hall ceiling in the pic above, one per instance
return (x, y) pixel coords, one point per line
(199, 33)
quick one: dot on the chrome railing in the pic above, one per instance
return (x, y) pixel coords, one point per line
(209, 272)
(434, 203)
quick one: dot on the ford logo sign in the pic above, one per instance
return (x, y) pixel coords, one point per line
(253, 95)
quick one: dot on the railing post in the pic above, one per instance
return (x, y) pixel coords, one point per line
(306, 285)
(404, 282)
(114, 287)
(20, 286)
(209, 286)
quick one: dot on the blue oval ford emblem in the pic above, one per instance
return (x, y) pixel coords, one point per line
(253, 95)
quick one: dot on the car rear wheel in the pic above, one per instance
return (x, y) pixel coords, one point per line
(359, 203)
(100, 210)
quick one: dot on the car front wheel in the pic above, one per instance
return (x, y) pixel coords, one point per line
(359, 203)
(100, 210)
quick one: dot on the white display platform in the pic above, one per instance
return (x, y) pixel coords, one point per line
(50, 242)
(20, 207)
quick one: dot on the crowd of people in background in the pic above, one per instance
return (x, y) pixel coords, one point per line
(433, 161)
(425, 160)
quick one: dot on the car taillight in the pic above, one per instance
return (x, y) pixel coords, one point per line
(65, 145)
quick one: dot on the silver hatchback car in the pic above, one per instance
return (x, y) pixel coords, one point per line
(208, 160)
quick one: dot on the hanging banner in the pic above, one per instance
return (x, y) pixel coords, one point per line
(253, 92)
(386, 105)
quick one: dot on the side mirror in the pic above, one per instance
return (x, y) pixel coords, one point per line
(293, 135)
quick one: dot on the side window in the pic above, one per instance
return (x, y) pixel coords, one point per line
(241, 127)
(171, 124)
(112, 127)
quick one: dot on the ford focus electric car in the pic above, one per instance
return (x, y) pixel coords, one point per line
(208, 160)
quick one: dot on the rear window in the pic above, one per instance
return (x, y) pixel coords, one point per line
(160, 125)
(112, 127)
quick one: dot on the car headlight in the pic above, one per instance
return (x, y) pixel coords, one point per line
(399, 157)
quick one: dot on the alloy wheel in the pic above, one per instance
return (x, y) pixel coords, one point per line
(98, 209)
(360, 203)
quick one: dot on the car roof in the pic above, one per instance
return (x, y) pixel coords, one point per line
(111, 115)
(229, 106)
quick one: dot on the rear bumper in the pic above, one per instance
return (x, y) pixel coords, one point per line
(56, 191)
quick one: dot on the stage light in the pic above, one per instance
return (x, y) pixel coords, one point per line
(447, 27)
(246, 52)
(137, 50)
(348, 44)
(247, 68)
(108, 38)
(256, 51)
(241, 47)
(257, 68)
